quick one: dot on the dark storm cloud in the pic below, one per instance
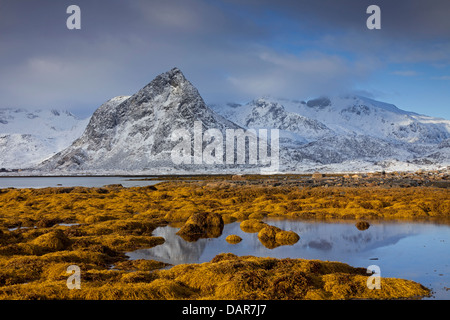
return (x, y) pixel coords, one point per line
(121, 46)
(412, 30)
(231, 50)
(410, 19)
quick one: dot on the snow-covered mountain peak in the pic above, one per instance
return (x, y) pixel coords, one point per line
(359, 100)
(172, 82)
(134, 133)
(264, 108)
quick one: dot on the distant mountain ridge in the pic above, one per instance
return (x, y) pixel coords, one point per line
(344, 115)
(349, 132)
(27, 137)
(133, 134)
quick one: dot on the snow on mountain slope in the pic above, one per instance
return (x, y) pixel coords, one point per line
(364, 116)
(342, 115)
(265, 114)
(135, 135)
(336, 130)
(28, 137)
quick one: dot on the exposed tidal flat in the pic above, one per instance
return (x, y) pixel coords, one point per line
(44, 231)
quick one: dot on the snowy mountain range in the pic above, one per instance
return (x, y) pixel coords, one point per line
(349, 115)
(27, 137)
(135, 134)
(347, 133)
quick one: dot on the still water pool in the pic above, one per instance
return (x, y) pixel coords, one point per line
(409, 250)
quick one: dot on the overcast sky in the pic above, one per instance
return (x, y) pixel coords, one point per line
(234, 50)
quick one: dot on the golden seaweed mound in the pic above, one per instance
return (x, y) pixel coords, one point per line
(233, 239)
(226, 276)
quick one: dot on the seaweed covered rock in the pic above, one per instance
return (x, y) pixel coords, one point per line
(191, 232)
(286, 237)
(362, 225)
(267, 236)
(233, 239)
(46, 223)
(52, 241)
(206, 219)
(252, 225)
(272, 237)
(202, 225)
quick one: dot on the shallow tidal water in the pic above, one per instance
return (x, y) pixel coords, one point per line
(89, 182)
(408, 250)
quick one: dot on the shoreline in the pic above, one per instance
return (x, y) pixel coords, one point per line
(32, 173)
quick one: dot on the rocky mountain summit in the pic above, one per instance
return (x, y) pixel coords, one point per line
(134, 133)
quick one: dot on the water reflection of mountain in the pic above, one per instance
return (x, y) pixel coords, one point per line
(318, 240)
(320, 245)
(394, 245)
(175, 250)
(345, 237)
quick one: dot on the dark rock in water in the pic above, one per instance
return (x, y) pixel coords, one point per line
(362, 225)
(205, 220)
(202, 225)
(233, 239)
(272, 237)
(52, 241)
(287, 237)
